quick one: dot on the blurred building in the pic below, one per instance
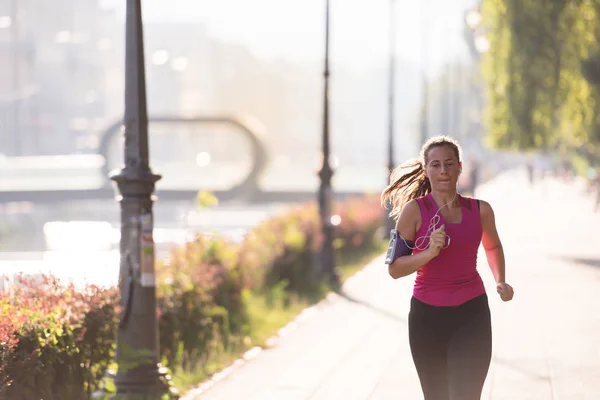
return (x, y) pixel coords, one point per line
(191, 73)
(52, 85)
(64, 79)
(62, 83)
(16, 74)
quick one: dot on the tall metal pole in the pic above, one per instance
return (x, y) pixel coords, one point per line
(139, 371)
(327, 252)
(389, 222)
(16, 95)
(450, 106)
(424, 131)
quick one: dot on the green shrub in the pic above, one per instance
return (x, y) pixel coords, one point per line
(200, 302)
(56, 342)
(282, 249)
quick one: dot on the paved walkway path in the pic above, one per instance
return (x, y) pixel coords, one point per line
(546, 341)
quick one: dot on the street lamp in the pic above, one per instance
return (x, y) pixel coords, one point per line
(424, 125)
(13, 23)
(474, 34)
(478, 43)
(139, 372)
(472, 18)
(389, 222)
(326, 259)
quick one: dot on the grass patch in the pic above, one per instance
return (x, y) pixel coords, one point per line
(186, 380)
(353, 262)
(267, 313)
(270, 311)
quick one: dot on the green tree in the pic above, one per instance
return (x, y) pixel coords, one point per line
(537, 96)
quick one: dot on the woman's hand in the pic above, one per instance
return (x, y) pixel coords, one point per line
(437, 240)
(505, 291)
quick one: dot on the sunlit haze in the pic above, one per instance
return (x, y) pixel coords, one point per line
(293, 29)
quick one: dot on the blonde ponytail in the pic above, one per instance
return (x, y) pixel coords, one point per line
(407, 182)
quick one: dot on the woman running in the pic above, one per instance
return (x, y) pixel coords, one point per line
(437, 235)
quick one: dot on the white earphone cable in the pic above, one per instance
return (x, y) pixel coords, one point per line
(422, 242)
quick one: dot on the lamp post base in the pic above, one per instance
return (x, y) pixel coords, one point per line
(142, 384)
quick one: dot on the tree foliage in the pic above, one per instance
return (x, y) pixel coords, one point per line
(537, 95)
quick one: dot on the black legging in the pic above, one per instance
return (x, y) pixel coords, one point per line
(451, 348)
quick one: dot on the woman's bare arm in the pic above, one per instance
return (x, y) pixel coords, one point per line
(407, 225)
(494, 251)
(491, 242)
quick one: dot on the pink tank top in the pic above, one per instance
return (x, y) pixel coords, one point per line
(451, 278)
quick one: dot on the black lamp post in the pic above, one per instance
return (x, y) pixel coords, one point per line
(16, 88)
(326, 257)
(389, 222)
(424, 128)
(139, 372)
(474, 34)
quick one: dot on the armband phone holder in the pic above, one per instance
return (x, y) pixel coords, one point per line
(392, 251)
(398, 247)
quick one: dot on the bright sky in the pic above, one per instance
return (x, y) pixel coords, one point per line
(294, 29)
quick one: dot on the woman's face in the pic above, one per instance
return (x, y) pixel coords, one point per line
(442, 168)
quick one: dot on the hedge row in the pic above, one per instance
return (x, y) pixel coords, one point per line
(57, 341)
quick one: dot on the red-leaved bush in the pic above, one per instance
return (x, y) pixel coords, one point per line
(56, 341)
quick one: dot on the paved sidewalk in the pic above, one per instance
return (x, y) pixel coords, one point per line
(546, 346)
